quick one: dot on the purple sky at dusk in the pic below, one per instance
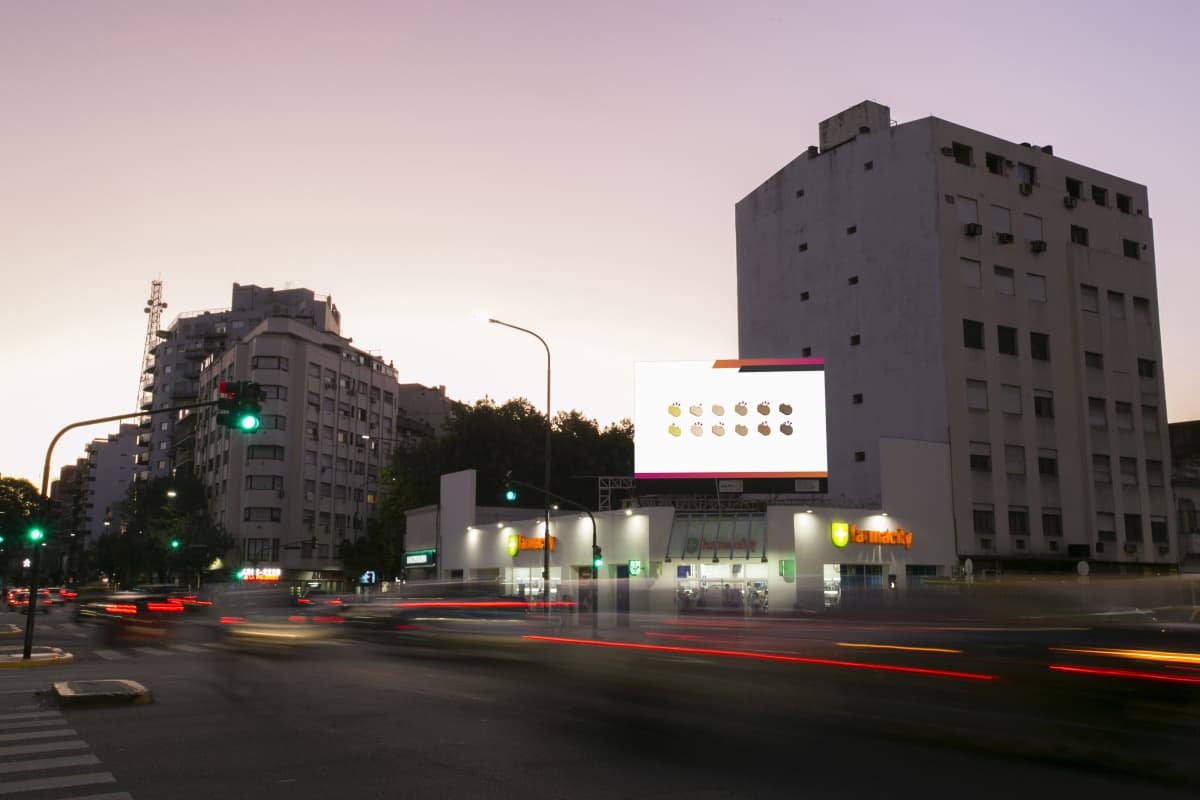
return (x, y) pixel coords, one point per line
(569, 167)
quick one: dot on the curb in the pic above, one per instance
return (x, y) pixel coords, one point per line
(111, 692)
(11, 657)
(9, 629)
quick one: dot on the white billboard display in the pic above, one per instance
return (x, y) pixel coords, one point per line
(730, 418)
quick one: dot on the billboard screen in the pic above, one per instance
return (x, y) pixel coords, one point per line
(731, 418)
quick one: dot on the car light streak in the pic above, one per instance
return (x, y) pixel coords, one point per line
(776, 657)
(904, 648)
(1140, 655)
(233, 620)
(485, 604)
(120, 608)
(1124, 673)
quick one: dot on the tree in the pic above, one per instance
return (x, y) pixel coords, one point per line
(20, 507)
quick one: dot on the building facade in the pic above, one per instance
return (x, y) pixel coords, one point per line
(307, 481)
(174, 377)
(1185, 483)
(984, 295)
(110, 471)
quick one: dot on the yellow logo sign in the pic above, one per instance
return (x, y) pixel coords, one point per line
(517, 543)
(841, 534)
(844, 533)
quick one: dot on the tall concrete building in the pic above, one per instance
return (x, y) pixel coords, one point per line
(110, 471)
(308, 480)
(173, 377)
(985, 295)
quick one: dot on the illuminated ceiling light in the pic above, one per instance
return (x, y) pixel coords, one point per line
(808, 511)
(883, 513)
(499, 525)
(629, 512)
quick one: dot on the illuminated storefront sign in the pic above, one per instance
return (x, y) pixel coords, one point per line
(843, 533)
(420, 558)
(635, 568)
(517, 543)
(260, 574)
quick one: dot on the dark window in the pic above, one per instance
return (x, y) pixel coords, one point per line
(856, 399)
(803, 296)
(1018, 521)
(799, 193)
(1079, 234)
(973, 334)
(1146, 368)
(1133, 527)
(1100, 196)
(1006, 339)
(264, 451)
(852, 280)
(803, 246)
(852, 229)
(855, 340)
(995, 163)
(1043, 403)
(1093, 360)
(963, 154)
(269, 362)
(984, 519)
(1124, 203)
(1052, 523)
(1048, 462)
(1026, 174)
(1158, 530)
(1074, 188)
(1131, 248)
(1039, 346)
(806, 351)
(860, 455)
(981, 457)
(870, 165)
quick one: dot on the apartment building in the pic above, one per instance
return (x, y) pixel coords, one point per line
(110, 471)
(308, 480)
(982, 294)
(173, 378)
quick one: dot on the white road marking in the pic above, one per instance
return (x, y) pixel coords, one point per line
(38, 784)
(31, 715)
(111, 655)
(45, 747)
(48, 763)
(24, 736)
(152, 651)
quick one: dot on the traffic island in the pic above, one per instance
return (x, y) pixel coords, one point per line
(112, 692)
(8, 629)
(39, 657)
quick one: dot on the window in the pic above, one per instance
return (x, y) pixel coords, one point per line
(1124, 203)
(1074, 188)
(984, 518)
(1089, 298)
(1146, 368)
(1093, 360)
(1035, 286)
(1129, 471)
(1158, 530)
(853, 229)
(1154, 473)
(327, 433)
(971, 274)
(1133, 527)
(855, 340)
(1010, 399)
(273, 422)
(1131, 249)
(1026, 173)
(977, 399)
(860, 455)
(1043, 403)
(266, 452)
(260, 549)
(262, 514)
(388, 398)
(310, 457)
(1001, 219)
(1141, 311)
(1047, 462)
(1124, 416)
(973, 334)
(963, 154)
(799, 193)
(1097, 414)
(269, 362)
(1100, 196)
(270, 392)
(856, 399)
(804, 297)
(968, 210)
(269, 482)
(1005, 283)
(806, 351)
(1116, 305)
(1039, 346)
(1101, 468)
(1032, 227)
(803, 247)
(1052, 522)
(1018, 521)
(1079, 235)
(1006, 338)
(1014, 459)
(868, 166)
(995, 163)
(852, 280)
(1106, 527)
(314, 370)
(981, 457)
(1150, 419)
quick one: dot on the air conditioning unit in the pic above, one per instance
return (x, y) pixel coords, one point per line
(1070, 202)
(972, 229)
(1038, 245)
(1130, 547)
(1004, 238)
(1025, 188)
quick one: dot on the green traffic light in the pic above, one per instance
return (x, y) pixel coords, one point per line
(249, 422)
(174, 544)
(510, 495)
(36, 534)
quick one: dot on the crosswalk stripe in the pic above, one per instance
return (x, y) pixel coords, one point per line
(27, 735)
(45, 747)
(105, 796)
(30, 715)
(36, 723)
(152, 651)
(111, 655)
(48, 763)
(61, 782)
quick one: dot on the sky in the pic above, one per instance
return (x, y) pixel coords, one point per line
(570, 167)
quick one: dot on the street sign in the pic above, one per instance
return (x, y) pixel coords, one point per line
(420, 558)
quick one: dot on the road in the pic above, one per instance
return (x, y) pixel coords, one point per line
(688, 711)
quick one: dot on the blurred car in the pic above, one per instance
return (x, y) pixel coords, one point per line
(62, 595)
(318, 598)
(271, 619)
(131, 615)
(19, 600)
(182, 595)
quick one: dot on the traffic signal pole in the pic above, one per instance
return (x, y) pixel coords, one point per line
(37, 548)
(595, 547)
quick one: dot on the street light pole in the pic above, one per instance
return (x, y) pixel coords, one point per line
(546, 494)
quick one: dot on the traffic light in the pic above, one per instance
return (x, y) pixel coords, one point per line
(36, 534)
(510, 494)
(597, 557)
(239, 406)
(174, 544)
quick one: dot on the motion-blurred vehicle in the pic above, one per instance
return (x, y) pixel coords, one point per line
(182, 595)
(62, 595)
(18, 600)
(271, 619)
(131, 615)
